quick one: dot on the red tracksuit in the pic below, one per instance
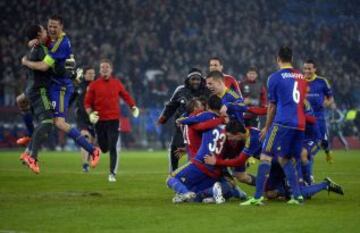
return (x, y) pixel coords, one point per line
(103, 96)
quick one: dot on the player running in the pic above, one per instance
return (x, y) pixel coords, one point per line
(82, 120)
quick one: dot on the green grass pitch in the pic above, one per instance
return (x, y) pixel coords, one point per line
(63, 199)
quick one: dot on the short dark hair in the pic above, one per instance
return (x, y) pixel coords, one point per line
(216, 58)
(252, 68)
(57, 18)
(235, 126)
(86, 68)
(311, 61)
(215, 103)
(33, 31)
(215, 74)
(285, 54)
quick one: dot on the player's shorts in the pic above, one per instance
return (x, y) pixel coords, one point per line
(281, 141)
(193, 178)
(60, 96)
(312, 147)
(40, 104)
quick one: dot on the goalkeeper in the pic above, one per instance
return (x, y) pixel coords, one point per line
(83, 78)
(102, 102)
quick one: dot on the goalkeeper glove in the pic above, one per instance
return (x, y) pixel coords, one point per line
(70, 63)
(135, 111)
(79, 75)
(94, 117)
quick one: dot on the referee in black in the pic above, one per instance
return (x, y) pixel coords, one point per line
(194, 86)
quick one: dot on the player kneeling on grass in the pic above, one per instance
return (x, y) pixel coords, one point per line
(196, 176)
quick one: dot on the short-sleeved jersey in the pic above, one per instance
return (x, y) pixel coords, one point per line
(318, 88)
(235, 105)
(287, 89)
(36, 79)
(59, 51)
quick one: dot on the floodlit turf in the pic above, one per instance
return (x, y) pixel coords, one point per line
(63, 199)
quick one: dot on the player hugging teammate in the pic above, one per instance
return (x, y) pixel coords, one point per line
(216, 139)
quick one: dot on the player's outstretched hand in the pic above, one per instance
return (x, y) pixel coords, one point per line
(177, 121)
(94, 117)
(135, 111)
(24, 60)
(210, 159)
(33, 42)
(161, 120)
(223, 110)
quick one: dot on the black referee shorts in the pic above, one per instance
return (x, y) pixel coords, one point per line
(107, 134)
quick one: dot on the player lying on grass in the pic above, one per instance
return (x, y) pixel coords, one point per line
(276, 187)
(276, 183)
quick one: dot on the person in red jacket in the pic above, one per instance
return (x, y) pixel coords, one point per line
(102, 103)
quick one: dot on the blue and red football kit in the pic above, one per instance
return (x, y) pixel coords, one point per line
(319, 89)
(61, 87)
(196, 176)
(286, 89)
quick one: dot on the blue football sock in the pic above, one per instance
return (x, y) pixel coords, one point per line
(176, 185)
(263, 171)
(306, 170)
(299, 171)
(80, 140)
(311, 165)
(311, 190)
(291, 178)
(28, 120)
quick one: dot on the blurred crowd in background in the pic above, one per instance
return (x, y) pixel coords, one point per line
(153, 45)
